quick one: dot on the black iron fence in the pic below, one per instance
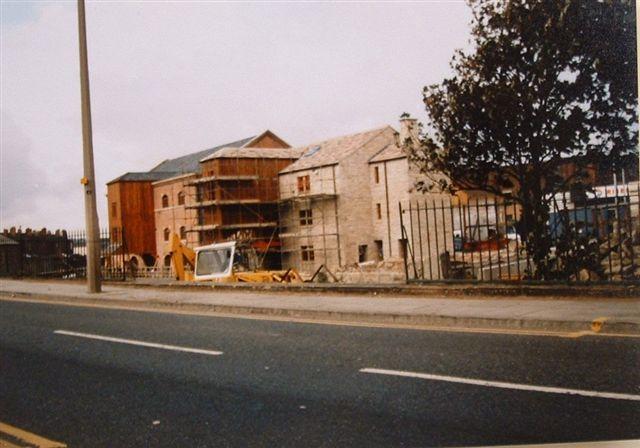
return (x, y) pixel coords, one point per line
(63, 254)
(593, 237)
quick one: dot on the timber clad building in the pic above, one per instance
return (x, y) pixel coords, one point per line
(237, 198)
(131, 206)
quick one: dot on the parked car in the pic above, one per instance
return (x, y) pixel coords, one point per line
(512, 234)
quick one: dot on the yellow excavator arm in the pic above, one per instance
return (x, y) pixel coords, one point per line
(219, 259)
(181, 255)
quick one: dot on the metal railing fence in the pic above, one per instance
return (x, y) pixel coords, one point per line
(593, 237)
(63, 254)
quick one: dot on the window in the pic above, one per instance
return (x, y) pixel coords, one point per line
(183, 233)
(306, 217)
(379, 249)
(165, 201)
(181, 198)
(379, 210)
(376, 174)
(213, 261)
(307, 253)
(304, 183)
(311, 151)
(402, 248)
(362, 253)
(114, 210)
(167, 232)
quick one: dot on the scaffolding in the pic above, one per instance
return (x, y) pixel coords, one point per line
(309, 220)
(236, 198)
(242, 198)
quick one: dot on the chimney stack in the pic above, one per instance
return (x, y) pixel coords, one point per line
(409, 131)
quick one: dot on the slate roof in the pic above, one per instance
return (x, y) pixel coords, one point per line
(175, 167)
(151, 176)
(190, 162)
(331, 152)
(267, 132)
(6, 241)
(389, 152)
(256, 153)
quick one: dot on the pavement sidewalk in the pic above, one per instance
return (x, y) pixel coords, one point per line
(605, 315)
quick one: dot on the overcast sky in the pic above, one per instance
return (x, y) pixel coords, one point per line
(169, 78)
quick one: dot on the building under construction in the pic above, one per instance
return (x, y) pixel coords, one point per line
(326, 204)
(236, 198)
(206, 196)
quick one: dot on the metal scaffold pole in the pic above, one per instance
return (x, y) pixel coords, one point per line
(88, 181)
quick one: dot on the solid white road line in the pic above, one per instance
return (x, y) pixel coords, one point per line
(503, 385)
(606, 444)
(141, 343)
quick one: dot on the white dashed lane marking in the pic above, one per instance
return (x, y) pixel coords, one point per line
(139, 343)
(503, 385)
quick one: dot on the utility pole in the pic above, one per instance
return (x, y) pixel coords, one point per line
(88, 181)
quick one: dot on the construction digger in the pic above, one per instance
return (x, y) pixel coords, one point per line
(228, 262)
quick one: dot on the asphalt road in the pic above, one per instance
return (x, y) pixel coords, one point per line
(292, 384)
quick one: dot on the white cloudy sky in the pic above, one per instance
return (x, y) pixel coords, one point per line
(168, 78)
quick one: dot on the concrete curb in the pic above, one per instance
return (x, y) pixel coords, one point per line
(413, 320)
(431, 290)
(466, 290)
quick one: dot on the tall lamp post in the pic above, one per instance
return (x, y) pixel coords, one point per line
(88, 181)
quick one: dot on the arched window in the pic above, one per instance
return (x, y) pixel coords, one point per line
(167, 232)
(181, 198)
(165, 201)
(183, 233)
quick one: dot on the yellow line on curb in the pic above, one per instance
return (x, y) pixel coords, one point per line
(597, 323)
(605, 444)
(5, 444)
(27, 437)
(302, 320)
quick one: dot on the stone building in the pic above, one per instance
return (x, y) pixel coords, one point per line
(392, 178)
(326, 202)
(339, 205)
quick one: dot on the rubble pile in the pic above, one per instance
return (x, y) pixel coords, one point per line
(389, 271)
(620, 254)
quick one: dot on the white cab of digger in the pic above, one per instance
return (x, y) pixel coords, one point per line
(214, 261)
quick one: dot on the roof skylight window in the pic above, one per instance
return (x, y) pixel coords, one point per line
(311, 151)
